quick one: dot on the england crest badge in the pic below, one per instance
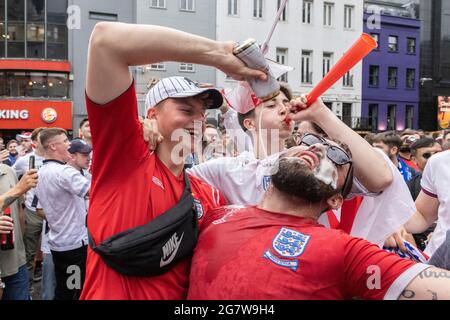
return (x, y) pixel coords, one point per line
(288, 245)
(199, 208)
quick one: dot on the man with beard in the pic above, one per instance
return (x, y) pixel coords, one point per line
(277, 250)
(13, 155)
(390, 143)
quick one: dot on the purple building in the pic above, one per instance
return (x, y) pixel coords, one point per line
(390, 82)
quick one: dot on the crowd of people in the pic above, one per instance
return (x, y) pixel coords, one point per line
(281, 202)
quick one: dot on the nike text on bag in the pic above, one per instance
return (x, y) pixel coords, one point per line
(154, 248)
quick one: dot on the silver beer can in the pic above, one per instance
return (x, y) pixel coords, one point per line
(250, 53)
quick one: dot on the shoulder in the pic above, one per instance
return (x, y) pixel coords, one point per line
(439, 159)
(126, 96)
(6, 170)
(220, 215)
(69, 171)
(199, 185)
(22, 160)
(437, 165)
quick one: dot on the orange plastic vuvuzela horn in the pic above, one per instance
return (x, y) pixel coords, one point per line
(361, 48)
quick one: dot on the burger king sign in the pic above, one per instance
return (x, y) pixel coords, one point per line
(49, 115)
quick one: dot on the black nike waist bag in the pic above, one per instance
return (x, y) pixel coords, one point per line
(154, 248)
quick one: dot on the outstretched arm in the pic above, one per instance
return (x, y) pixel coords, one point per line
(426, 214)
(370, 168)
(109, 59)
(28, 181)
(430, 284)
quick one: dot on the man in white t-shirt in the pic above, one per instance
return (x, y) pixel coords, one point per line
(33, 221)
(61, 192)
(433, 202)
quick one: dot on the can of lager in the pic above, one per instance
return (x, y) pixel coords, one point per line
(250, 53)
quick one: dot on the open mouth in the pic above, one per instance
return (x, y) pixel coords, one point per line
(310, 158)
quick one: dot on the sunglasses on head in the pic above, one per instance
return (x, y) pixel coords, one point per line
(336, 154)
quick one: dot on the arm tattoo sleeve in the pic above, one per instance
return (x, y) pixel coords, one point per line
(8, 201)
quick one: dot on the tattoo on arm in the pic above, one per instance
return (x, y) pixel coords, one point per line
(8, 201)
(408, 294)
(434, 274)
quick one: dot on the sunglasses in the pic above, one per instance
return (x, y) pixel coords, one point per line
(336, 154)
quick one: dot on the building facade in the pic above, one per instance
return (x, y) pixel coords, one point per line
(34, 66)
(83, 16)
(311, 36)
(435, 65)
(390, 88)
(193, 16)
(43, 60)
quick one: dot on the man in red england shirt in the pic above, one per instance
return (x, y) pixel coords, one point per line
(277, 250)
(130, 185)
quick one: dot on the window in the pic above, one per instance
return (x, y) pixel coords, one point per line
(35, 84)
(409, 121)
(326, 63)
(374, 75)
(58, 85)
(393, 43)
(258, 8)
(307, 13)
(348, 79)
(57, 32)
(392, 77)
(376, 37)
(2, 34)
(187, 67)
(347, 114)
(158, 66)
(35, 29)
(283, 16)
(410, 79)
(328, 12)
(187, 5)
(411, 46)
(233, 7)
(348, 17)
(161, 4)
(282, 55)
(373, 117)
(391, 121)
(15, 37)
(306, 67)
(103, 16)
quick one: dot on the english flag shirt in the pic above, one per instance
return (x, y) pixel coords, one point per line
(253, 254)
